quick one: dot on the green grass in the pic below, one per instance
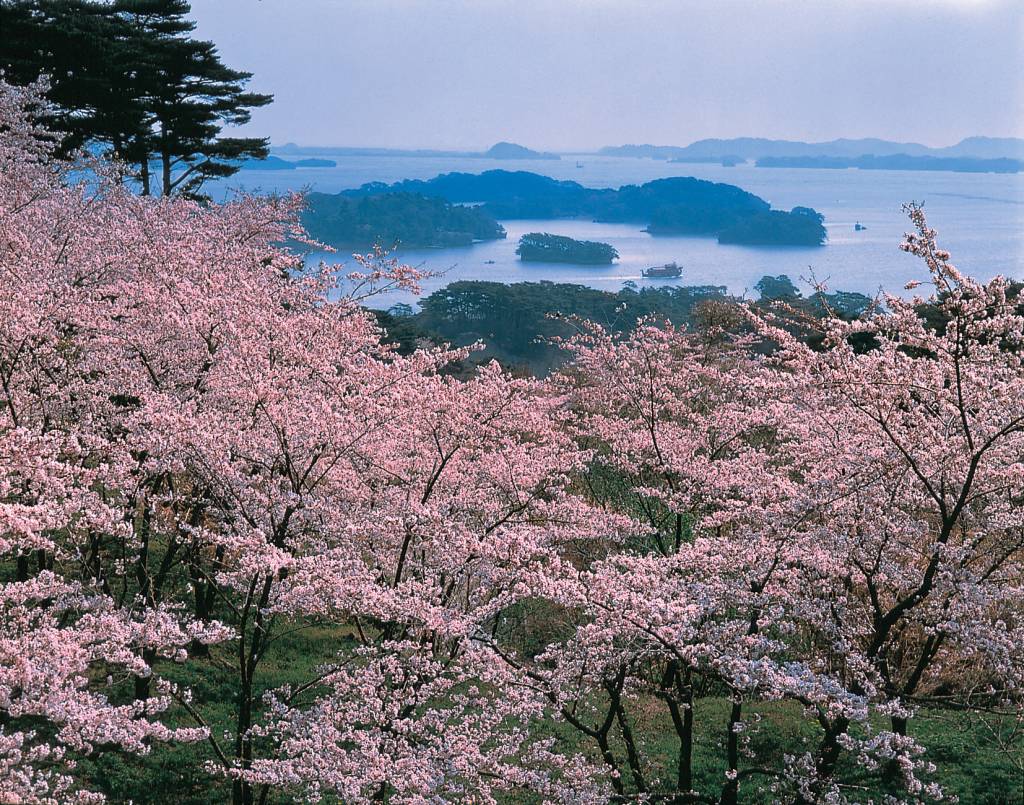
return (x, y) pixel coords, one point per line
(969, 763)
(181, 773)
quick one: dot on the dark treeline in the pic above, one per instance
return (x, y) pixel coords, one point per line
(410, 220)
(506, 194)
(796, 228)
(520, 323)
(517, 322)
(676, 206)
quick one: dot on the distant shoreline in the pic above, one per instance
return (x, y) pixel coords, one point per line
(500, 151)
(891, 162)
(751, 148)
(899, 162)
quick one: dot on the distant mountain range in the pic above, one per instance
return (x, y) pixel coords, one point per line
(758, 147)
(502, 150)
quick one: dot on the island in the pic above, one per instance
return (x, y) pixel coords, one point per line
(542, 247)
(274, 163)
(505, 150)
(680, 205)
(410, 220)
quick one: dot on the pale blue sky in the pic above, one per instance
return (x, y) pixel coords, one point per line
(568, 74)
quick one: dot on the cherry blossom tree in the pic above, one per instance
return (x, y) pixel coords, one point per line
(921, 440)
(233, 456)
(62, 631)
(206, 448)
(709, 599)
(836, 527)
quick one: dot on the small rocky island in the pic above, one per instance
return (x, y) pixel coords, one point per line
(542, 247)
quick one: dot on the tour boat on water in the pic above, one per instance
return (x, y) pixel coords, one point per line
(667, 271)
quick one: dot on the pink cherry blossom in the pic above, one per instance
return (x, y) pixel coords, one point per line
(206, 446)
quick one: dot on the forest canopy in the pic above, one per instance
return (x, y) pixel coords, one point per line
(523, 324)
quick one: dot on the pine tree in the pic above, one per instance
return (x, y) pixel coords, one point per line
(126, 78)
(87, 57)
(189, 95)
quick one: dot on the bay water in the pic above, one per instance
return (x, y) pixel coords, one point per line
(979, 217)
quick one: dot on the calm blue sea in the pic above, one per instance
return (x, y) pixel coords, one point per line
(980, 219)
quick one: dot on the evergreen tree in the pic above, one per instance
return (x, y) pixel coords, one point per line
(190, 94)
(87, 56)
(127, 77)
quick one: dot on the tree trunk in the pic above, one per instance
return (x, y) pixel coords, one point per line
(674, 683)
(165, 161)
(248, 658)
(686, 746)
(730, 792)
(142, 683)
(893, 775)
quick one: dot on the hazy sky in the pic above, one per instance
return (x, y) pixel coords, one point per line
(566, 74)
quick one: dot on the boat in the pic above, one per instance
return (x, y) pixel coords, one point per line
(667, 271)
(857, 227)
(579, 164)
